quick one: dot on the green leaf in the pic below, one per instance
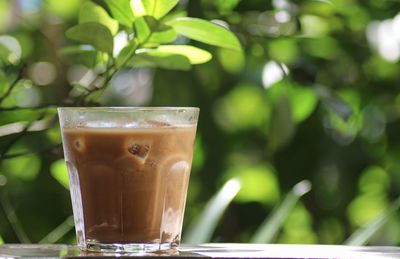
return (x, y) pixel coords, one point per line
(59, 171)
(126, 53)
(154, 58)
(66, 10)
(243, 108)
(374, 179)
(231, 60)
(94, 34)
(201, 230)
(60, 231)
(10, 50)
(138, 8)
(326, 2)
(334, 103)
(159, 8)
(13, 218)
(152, 33)
(298, 226)
(195, 55)
(4, 55)
(282, 125)
(91, 12)
(283, 50)
(345, 122)
(142, 28)
(259, 183)
(82, 54)
(69, 50)
(304, 101)
(373, 122)
(165, 34)
(270, 227)
(363, 235)
(226, 6)
(205, 31)
(121, 10)
(179, 13)
(24, 167)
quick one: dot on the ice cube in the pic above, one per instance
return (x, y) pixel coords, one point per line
(79, 144)
(139, 151)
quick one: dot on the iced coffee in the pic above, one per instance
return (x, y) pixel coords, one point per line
(129, 178)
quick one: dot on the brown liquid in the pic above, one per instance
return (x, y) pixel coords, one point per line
(132, 182)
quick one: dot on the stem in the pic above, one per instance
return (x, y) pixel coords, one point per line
(16, 108)
(13, 84)
(40, 150)
(20, 135)
(109, 76)
(12, 218)
(59, 232)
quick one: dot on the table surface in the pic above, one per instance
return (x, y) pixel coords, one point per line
(212, 251)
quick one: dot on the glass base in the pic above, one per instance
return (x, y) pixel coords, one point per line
(133, 248)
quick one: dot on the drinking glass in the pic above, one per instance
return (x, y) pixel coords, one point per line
(128, 170)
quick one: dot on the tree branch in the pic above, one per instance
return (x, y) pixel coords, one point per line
(12, 218)
(20, 135)
(110, 76)
(39, 150)
(17, 108)
(13, 84)
(19, 127)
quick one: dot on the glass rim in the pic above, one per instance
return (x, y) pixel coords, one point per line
(128, 108)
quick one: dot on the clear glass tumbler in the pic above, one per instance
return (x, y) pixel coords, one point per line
(129, 171)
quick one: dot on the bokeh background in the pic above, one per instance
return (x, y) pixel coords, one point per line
(314, 96)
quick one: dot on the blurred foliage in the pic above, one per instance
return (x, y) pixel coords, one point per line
(286, 211)
(202, 229)
(313, 95)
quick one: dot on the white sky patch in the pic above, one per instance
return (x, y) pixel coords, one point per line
(384, 38)
(281, 4)
(43, 73)
(231, 188)
(273, 73)
(12, 45)
(282, 16)
(120, 41)
(221, 23)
